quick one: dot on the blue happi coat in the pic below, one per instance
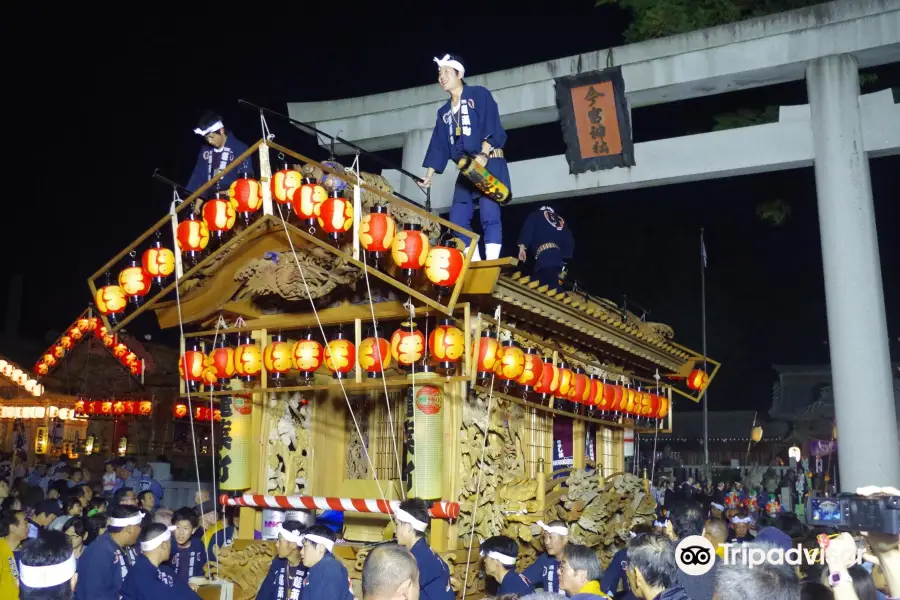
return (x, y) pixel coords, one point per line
(434, 575)
(514, 583)
(282, 582)
(544, 573)
(212, 160)
(188, 562)
(101, 570)
(148, 582)
(327, 579)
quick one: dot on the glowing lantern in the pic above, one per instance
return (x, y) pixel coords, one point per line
(756, 433)
(794, 452)
(447, 344)
(106, 407)
(565, 381)
(48, 359)
(306, 202)
(697, 380)
(190, 367)
(308, 355)
(340, 356)
(278, 357)
(549, 381)
(135, 282)
(158, 262)
(79, 407)
(58, 351)
(37, 391)
(136, 368)
(93, 324)
(29, 385)
(219, 216)
(377, 231)
(221, 362)
(247, 360)
(284, 183)
(180, 410)
(118, 408)
(41, 368)
(600, 397)
(443, 266)
(20, 376)
(511, 362)
(245, 195)
(488, 354)
(407, 344)
(120, 350)
(580, 389)
(123, 446)
(335, 215)
(534, 366)
(374, 355)
(89, 444)
(130, 358)
(664, 404)
(66, 342)
(144, 408)
(410, 249)
(75, 333)
(192, 236)
(41, 441)
(111, 300)
(83, 324)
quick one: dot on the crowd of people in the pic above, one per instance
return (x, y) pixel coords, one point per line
(64, 534)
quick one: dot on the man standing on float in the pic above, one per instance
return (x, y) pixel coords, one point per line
(468, 123)
(220, 150)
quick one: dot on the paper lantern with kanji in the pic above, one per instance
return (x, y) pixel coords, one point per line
(488, 353)
(340, 356)
(308, 355)
(119, 350)
(219, 216)
(284, 183)
(377, 231)
(118, 408)
(566, 378)
(181, 410)
(407, 344)
(580, 389)
(247, 360)
(410, 249)
(534, 367)
(41, 368)
(190, 367)
(664, 404)
(75, 333)
(447, 344)
(135, 282)
(511, 363)
(144, 408)
(66, 342)
(111, 300)
(158, 261)
(192, 235)
(49, 359)
(306, 202)
(335, 215)
(221, 362)
(278, 357)
(245, 195)
(83, 324)
(374, 355)
(697, 380)
(106, 407)
(443, 266)
(549, 381)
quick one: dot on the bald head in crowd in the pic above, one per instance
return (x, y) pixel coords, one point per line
(390, 573)
(768, 581)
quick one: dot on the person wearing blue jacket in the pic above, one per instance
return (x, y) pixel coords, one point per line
(544, 571)
(468, 124)
(284, 581)
(326, 577)
(188, 556)
(149, 579)
(434, 575)
(547, 239)
(499, 554)
(105, 562)
(221, 150)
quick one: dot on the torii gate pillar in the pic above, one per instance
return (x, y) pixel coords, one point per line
(857, 328)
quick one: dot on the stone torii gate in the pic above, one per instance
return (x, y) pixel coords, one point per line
(836, 133)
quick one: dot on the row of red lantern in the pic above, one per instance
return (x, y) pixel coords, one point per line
(511, 364)
(85, 326)
(201, 413)
(141, 408)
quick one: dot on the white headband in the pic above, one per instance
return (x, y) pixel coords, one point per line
(658, 524)
(557, 529)
(405, 517)
(717, 506)
(447, 61)
(214, 127)
(291, 536)
(741, 519)
(317, 539)
(550, 208)
(158, 541)
(49, 575)
(505, 560)
(125, 522)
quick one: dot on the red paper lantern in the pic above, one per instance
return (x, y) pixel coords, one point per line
(106, 407)
(120, 350)
(580, 389)
(49, 359)
(592, 392)
(41, 368)
(180, 410)
(377, 231)
(278, 357)
(306, 202)
(443, 266)
(94, 325)
(534, 367)
(664, 405)
(219, 215)
(549, 381)
(335, 215)
(192, 235)
(118, 408)
(66, 342)
(144, 408)
(111, 300)
(698, 380)
(220, 363)
(308, 355)
(600, 395)
(83, 324)
(410, 249)
(245, 195)
(488, 354)
(566, 379)
(158, 262)
(374, 355)
(79, 407)
(75, 333)
(340, 356)
(511, 363)
(284, 183)
(407, 344)
(190, 367)
(135, 282)
(130, 407)
(58, 351)
(247, 360)
(447, 344)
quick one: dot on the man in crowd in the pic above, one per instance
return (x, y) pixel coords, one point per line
(106, 561)
(740, 528)
(580, 573)
(390, 573)
(44, 514)
(286, 573)
(13, 532)
(544, 571)
(188, 554)
(686, 519)
(147, 482)
(148, 579)
(716, 531)
(147, 502)
(433, 573)
(47, 568)
(499, 558)
(651, 568)
(326, 577)
(221, 149)
(766, 581)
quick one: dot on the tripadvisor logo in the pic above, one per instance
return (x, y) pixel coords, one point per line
(695, 555)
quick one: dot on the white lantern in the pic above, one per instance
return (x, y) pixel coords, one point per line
(29, 385)
(16, 373)
(20, 412)
(54, 412)
(64, 414)
(6, 412)
(794, 452)
(39, 412)
(38, 391)
(3, 364)
(28, 412)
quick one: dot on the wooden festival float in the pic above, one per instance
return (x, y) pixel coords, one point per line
(357, 357)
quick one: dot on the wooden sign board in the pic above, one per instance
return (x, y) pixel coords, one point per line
(595, 121)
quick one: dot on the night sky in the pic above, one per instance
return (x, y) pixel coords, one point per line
(101, 98)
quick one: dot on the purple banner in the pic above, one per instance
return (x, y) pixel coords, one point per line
(562, 443)
(822, 447)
